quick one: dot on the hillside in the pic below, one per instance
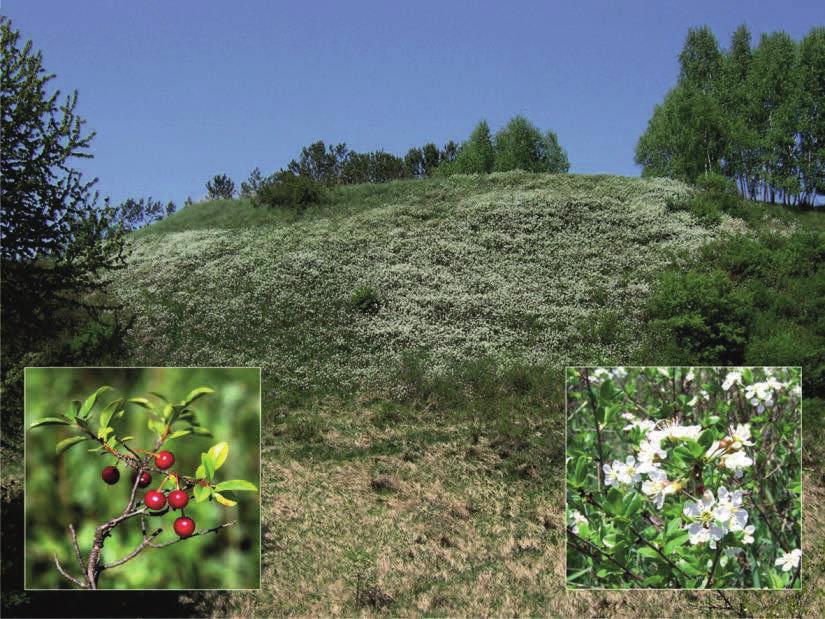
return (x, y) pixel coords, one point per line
(411, 336)
(513, 267)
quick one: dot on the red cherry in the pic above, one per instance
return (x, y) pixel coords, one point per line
(184, 526)
(154, 499)
(110, 475)
(178, 499)
(145, 479)
(164, 460)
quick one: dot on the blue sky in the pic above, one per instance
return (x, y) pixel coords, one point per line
(179, 91)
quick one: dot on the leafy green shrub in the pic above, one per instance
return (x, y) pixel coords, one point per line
(706, 315)
(365, 299)
(715, 195)
(286, 190)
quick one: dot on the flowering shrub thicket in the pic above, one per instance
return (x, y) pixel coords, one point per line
(683, 477)
(506, 266)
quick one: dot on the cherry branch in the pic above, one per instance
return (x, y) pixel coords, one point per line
(206, 532)
(146, 541)
(67, 575)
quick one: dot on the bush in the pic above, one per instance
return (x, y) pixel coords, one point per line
(365, 299)
(716, 195)
(284, 189)
(704, 313)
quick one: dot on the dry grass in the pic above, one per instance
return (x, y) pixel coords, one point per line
(434, 527)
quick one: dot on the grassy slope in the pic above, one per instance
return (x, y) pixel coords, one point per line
(426, 483)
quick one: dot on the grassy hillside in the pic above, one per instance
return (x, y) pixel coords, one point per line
(513, 267)
(411, 336)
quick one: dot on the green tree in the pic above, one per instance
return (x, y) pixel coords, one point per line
(57, 244)
(773, 83)
(685, 137)
(414, 163)
(740, 158)
(476, 155)
(221, 187)
(521, 146)
(812, 114)
(253, 184)
(700, 61)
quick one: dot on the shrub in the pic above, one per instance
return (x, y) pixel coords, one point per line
(221, 187)
(707, 316)
(284, 189)
(365, 299)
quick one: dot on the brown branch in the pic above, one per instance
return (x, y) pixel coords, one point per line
(77, 549)
(134, 553)
(68, 576)
(713, 567)
(602, 552)
(206, 532)
(592, 397)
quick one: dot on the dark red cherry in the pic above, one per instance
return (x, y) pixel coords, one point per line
(145, 479)
(178, 499)
(164, 460)
(184, 526)
(110, 475)
(154, 499)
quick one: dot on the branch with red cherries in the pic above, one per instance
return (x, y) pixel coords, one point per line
(167, 421)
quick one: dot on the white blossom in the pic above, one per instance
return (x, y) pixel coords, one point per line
(577, 518)
(732, 378)
(736, 462)
(703, 526)
(622, 474)
(789, 560)
(729, 510)
(657, 487)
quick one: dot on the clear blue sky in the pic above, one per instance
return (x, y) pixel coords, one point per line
(181, 90)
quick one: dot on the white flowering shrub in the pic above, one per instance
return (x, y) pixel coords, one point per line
(683, 477)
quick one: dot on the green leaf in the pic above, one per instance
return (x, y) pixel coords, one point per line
(706, 438)
(580, 474)
(177, 434)
(125, 439)
(74, 409)
(236, 485)
(202, 493)
(142, 402)
(200, 472)
(219, 453)
(106, 413)
(158, 427)
(104, 432)
(50, 421)
(633, 503)
(196, 394)
(647, 551)
(614, 502)
(90, 401)
(201, 431)
(223, 500)
(168, 410)
(679, 540)
(208, 465)
(70, 442)
(160, 396)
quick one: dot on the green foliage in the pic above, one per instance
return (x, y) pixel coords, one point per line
(715, 195)
(477, 155)
(748, 300)
(221, 187)
(251, 186)
(754, 115)
(136, 212)
(287, 190)
(58, 246)
(683, 477)
(521, 146)
(365, 299)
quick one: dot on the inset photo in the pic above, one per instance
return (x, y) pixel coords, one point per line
(142, 478)
(681, 477)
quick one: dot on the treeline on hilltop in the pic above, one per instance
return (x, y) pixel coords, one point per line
(517, 145)
(753, 114)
